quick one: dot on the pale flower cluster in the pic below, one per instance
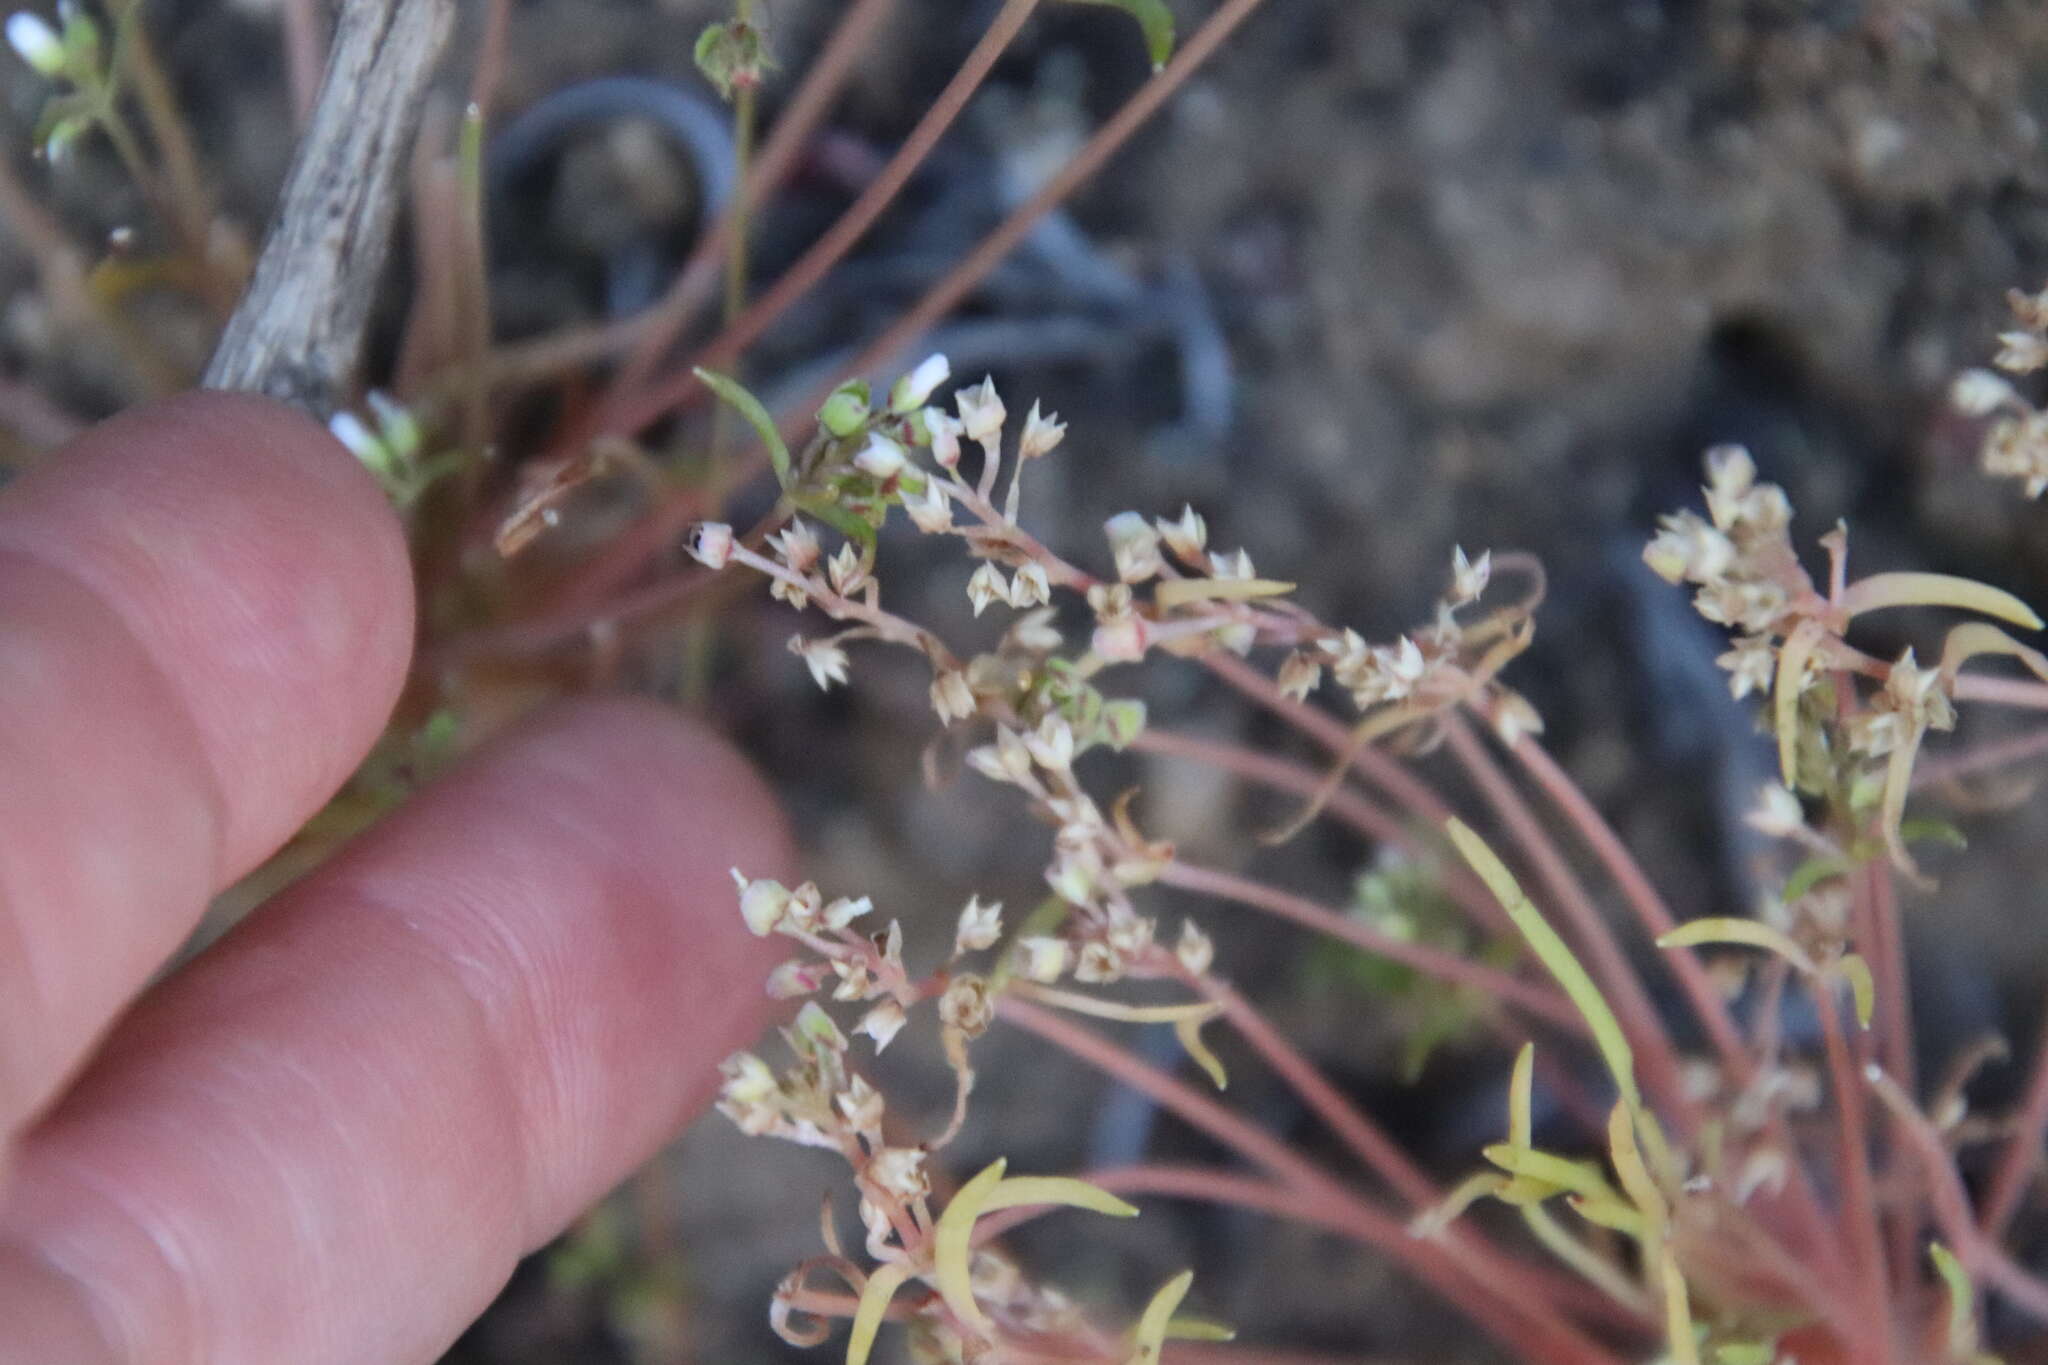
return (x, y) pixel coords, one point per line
(2016, 442)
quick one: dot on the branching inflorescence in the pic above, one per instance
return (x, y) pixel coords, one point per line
(1736, 1205)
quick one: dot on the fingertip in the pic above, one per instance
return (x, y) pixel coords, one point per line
(260, 565)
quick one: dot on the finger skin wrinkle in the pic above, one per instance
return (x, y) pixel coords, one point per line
(335, 1132)
(114, 837)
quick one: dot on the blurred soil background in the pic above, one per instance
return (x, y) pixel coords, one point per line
(1389, 276)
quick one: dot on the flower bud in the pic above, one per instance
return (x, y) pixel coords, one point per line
(1042, 432)
(881, 459)
(911, 391)
(981, 412)
(32, 38)
(710, 543)
(846, 411)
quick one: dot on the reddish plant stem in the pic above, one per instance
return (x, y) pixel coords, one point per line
(1376, 765)
(639, 406)
(2028, 696)
(1532, 1328)
(948, 293)
(490, 58)
(1859, 1197)
(1363, 815)
(2021, 1156)
(1983, 1257)
(1642, 898)
(1541, 1001)
(1655, 1056)
(1877, 927)
(2000, 753)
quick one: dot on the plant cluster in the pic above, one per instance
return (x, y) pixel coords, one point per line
(1762, 1200)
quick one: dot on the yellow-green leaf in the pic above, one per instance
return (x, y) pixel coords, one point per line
(1792, 659)
(953, 1240)
(1604, 1274)
(1056, 1189)
(1748, 933)
(874, 1306)
(1861, 987)
(1882, 590)
(1469, 1191)
(757, 417)
(1561, 1173)
(1521, 1124)
(1179, 592)
(1199, 1329)
(1972, 638)
(1552, 951)
(1962, 1302)
(1188, 1029)
(1685, 1347)
(1154, 18)
(1149, 1338)
(1629, 1168)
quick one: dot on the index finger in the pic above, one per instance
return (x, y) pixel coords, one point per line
(205, 616)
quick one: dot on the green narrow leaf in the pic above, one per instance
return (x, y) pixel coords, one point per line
(1521, 1085)
(874, 1305)
(1792, 657)
(1861, 987)
(1962, 1302)
(1810, 874)
(1553, 953)
(1189, 1030)
(1936, 590)
(1150, 1337)
(953, 1239)
(1154, 18)
(1685, 1346)
(1747, 933)
(1056, 1189)
(749, 407)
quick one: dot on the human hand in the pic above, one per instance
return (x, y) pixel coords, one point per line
(330, 1137)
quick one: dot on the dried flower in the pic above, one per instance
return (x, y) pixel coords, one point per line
(1300, 675)
(968, 1005)
(1029, 587)
(1135, 547)
(900, 1171)
(797, 546)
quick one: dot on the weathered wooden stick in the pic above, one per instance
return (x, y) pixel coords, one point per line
(298, 332)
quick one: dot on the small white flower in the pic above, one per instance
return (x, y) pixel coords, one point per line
(1042, 432)
(762, 903)
(1034, 633)
(2021, 352)
(1979, 393)
(1051, 745)
(1469, 577)
(1195, 950)
(945, 432)
(900, 1171)
(844, 911)
(798, 546)
(826, 660)
(1300, 675)
(980, 926)
(1187, 536)
(881, 1023)
(1235, 565)
(931, 511)
(1120, 640)
(981, 412)
(31, 36)
(861, 1103)
(1777, 813)
(848, 574)
(748, 1079)
(881, 459)
(1029, 587)
(986, 586)
(1135, 546)
(913, 389)
(797, 978)
(710, 542)
(952, 698)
